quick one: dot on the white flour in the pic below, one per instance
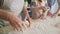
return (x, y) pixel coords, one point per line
(48, 26)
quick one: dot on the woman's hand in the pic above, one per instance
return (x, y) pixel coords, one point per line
(27, 17)
(14, 20)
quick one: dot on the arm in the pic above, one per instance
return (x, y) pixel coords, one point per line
(14, 20)
(25, 12)
(27, 17)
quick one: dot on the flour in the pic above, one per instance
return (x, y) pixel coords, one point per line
(39, 26)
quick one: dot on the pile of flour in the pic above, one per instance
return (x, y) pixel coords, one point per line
(47, 26)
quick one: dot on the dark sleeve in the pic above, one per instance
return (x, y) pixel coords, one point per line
(50, 2)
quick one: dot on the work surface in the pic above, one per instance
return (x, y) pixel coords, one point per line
(38, 26)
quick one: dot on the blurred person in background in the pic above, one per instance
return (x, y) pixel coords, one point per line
(54, 8)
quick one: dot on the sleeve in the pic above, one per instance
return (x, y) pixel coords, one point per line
(17, 6)
(54, 7)
(51, 2)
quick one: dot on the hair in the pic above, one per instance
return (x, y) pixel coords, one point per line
(29, 1)
(40, 0)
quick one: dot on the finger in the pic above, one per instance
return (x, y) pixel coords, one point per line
(25, 18)
(14, 26)
(29, 21)
(20, 25)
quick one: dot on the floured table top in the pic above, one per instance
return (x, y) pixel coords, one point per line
(38, 26)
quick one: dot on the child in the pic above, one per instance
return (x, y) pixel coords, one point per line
(38, 8)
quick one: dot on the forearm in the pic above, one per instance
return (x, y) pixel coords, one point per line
(4, 15)
(8, 16)
(25, 12)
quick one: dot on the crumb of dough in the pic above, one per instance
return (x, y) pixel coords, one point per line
(57, 25)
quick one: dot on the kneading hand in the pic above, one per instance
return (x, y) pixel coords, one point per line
(14, 20)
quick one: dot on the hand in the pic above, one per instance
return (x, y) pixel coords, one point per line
(27, 17)
(54, 15)
(16, 23)
(43, 17)
(13, 19)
